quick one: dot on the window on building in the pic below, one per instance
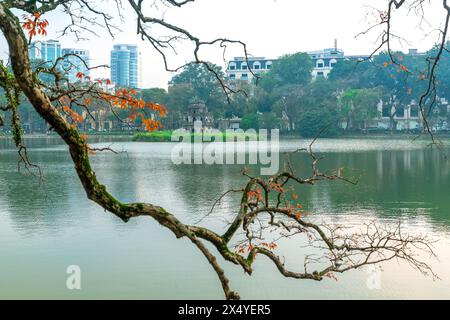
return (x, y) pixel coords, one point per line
(320, 65)
(244, 67)
(256, 67)
(400, 112)
(232, 67)
(414, 112)
(386, 112)
(269, 66)
(232, 76)
(244, 76)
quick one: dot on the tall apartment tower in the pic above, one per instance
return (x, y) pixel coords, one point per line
(45, 51)
(125, 65)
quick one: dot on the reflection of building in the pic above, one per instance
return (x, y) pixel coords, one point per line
(198, 118)
(46, 51)
(230, 124)
(75, 61)
(239, 68)
(125, 63)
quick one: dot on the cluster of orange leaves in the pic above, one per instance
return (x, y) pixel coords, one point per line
(125, 99)
(72, 114)
(81, 76)
(255, 194)
(75, 116)
(35, 25)
(331, 276)
(248, 248)
(401, 67)
(277, 187)
(297, 211)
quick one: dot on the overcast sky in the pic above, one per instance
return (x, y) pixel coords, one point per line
(269, 27)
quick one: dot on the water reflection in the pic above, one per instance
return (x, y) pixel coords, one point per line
(393, 183)
(56, 219)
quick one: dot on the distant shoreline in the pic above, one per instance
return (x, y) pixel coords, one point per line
(165, 136)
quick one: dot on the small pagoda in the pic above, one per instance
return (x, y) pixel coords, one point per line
(198, 119)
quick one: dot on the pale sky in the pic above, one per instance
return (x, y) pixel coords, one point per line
(270, 28)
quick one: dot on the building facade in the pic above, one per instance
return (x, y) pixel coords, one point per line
(233, 123)
(45, 51)
(408, 117)
(324, 61)
(75, 61)
(125, 66)
(244, 69)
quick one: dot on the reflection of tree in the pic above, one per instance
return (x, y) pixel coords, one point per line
(411, 180)
(33, 206)
(196, 186)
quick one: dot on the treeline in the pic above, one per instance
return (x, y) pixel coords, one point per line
(287, 98)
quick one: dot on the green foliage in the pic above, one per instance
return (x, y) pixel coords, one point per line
(155, 95)
(166, 136)
(286, 98)
(200, 79)
(319, 110)
(158, 136)
(350, 73)
(320, 121)
(359, 106)
(292, 69)
(250, 121)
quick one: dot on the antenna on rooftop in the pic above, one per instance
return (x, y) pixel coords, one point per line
(336, 44)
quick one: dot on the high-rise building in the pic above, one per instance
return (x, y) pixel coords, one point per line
(45, 51)
(75, 61)
(125, 63)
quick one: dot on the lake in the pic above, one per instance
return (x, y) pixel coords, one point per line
(46, 227)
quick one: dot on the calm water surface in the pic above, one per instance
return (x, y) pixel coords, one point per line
(45, 228)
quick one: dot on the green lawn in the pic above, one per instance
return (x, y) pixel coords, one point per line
(166, 136)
